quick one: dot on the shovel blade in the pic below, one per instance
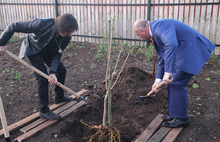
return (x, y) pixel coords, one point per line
(151, 96)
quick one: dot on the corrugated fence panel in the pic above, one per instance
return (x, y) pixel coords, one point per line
(93, 16)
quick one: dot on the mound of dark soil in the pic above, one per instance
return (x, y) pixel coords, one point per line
(130, 112)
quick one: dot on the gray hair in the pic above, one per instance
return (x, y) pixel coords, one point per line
(141, 25)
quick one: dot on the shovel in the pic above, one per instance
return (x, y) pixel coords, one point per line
(149, 94)
(44, 75)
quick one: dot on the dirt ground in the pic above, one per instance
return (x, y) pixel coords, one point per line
(131, 114)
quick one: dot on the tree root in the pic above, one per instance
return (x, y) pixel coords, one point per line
(102, 134)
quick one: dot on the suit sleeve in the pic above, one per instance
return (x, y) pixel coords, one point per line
(160, 68)
(167, 35)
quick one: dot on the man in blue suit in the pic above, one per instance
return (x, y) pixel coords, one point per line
(182, 54)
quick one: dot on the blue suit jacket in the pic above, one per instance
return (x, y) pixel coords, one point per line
(179, 46)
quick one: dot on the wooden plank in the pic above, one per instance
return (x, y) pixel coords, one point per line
(108, 15)
(186, 14)
(120, 22)
(171, 136)
(214, 22)
(176, 10)
(161, 10)
(89, 21)
(171, 10)
(197, 13)
(156, 12)
(181, 7)
(142, 43)
(124, 21)
(207, 20)
(151, 128)
(100, 22)
(137, 10)
(49, 123)
(19, 12)
(159, 135)
(97, 24)
(130, 24)
(133, 35)
(27, 120)
(218, 30)
(85, 32)
(166, 10)
(152, 12)
(217, 50)
(137, 13)
(74, 7)
(117, 26)
(79, 21)
(34, 116)
(202, 18)
(40, 121)
(137, 17)
(191, 15)
(93, 21)
(81, 7)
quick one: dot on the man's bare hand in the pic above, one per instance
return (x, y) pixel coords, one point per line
(154, 87)
(167, 78)
(53, 79)
(2, 49)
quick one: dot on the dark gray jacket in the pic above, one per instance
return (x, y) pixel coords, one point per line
(40, 32)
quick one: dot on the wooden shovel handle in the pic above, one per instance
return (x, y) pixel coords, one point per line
(158, 86)
(41, 73)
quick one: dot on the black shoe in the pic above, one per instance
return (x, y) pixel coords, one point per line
(64, 99)
(50, 115)
(166, 118)
(177, 122)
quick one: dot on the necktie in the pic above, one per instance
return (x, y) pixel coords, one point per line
(153, 75)
(152, 38)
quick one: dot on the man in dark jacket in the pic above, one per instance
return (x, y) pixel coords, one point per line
(45, 41)
(182, 54)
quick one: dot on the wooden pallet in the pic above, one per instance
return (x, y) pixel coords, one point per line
(157, 133)
(32, 124)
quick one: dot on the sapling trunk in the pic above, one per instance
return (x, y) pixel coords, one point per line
(109, 78)
(108, 83)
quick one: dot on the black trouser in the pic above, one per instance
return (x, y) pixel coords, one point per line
(38, 62)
